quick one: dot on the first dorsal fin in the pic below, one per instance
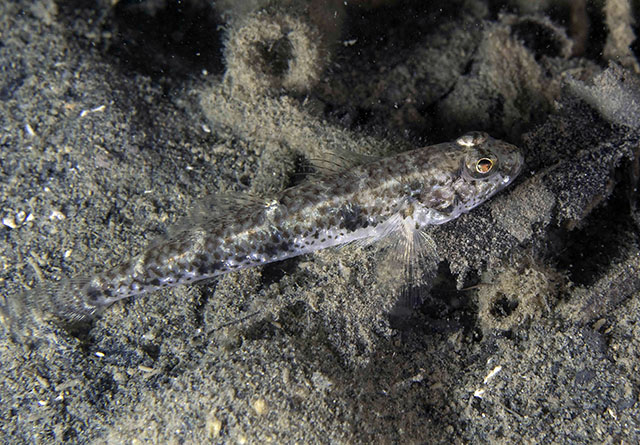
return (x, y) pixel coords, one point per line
(340, 160)
(219, 209)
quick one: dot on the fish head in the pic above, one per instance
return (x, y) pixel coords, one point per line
(487, 166)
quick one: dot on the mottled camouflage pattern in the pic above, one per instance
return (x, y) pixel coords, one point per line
(430, 185)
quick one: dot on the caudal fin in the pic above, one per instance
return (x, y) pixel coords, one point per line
(63, 302)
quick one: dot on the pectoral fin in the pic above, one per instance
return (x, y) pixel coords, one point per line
(409, 263)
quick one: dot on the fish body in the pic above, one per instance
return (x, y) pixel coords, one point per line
(401, 193)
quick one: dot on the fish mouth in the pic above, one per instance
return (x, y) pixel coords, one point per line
(516, 168)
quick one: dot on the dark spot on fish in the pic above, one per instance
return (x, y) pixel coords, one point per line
(270, 250)
(351, 217)
(94, 296)
(207, 268)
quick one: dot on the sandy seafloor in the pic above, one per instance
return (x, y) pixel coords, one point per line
(119, 117)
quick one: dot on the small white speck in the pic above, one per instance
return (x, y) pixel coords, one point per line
(206, 128)
(492, 373)
(43, 402)
(21, 216)
(478, 393)
(57, 214)
(29, 130)
(83, 113)
(350, 42)
(146, 369)
(10, 222)
(99, 354)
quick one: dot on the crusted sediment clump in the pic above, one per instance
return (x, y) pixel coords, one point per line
(620, 20)
(273, 50)
(506, 66)
(272, 56)
(618, 282)
(514, 296)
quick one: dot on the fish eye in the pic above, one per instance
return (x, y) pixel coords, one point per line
(481, 164)
(484, 165)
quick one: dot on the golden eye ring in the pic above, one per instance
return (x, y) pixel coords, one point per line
(484, 165)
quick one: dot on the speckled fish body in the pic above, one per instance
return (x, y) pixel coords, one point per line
(411, 190)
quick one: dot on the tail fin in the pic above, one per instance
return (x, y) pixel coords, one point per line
(64, 302)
